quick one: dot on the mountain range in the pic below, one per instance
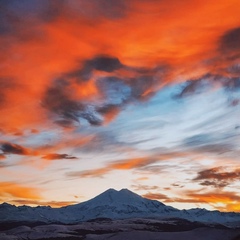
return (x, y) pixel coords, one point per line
(113, 204)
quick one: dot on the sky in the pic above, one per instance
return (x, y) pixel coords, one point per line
(137, 94)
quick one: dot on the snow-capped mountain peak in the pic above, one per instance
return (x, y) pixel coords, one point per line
(112, 204)
(114, 197)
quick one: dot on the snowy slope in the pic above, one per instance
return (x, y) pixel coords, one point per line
(120, 204)
(113, 204)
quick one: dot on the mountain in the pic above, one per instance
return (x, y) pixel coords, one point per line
(113, 204)
(118, 205)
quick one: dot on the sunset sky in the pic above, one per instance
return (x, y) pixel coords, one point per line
(137, 94)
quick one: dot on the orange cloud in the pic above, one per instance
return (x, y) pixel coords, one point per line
(9, 190)
(156, 196)
(182, 35)
(127, 164)
(11, 148)
(217, 199)
(142, 178)
(117, 165)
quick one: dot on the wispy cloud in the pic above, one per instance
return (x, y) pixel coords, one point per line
(126, 164)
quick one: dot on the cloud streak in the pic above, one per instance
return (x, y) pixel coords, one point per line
(217, 177)
(57, 156)
(156, 196)
(127, 164)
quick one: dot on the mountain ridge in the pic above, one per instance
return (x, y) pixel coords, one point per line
(113, 204)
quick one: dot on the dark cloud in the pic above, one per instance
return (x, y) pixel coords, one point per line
(190, 88)
(216, 173)
(58, 100)
(112, 92)
(57, 156)
(64, 123)
(141, 85)
(101, 63)
(10, 148)
(217, 178)
(196, 86)
(104, 63)
(177, 185)
(58, 97)
(108, 109)
(214, 184)
(210, 81)
(230, 41)
(232, 83)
